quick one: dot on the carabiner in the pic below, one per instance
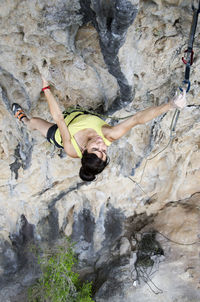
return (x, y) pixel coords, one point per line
(191, 57)
(188, 86)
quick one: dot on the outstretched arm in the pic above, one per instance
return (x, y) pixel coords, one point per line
(144, 116)
(59, 120)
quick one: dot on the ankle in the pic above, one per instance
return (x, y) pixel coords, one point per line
(25, 120)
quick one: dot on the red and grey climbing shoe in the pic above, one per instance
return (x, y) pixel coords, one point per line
(18, 111)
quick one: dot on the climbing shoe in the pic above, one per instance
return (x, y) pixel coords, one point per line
(18, 111)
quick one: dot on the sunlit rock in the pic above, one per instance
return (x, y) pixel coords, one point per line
(101, 55)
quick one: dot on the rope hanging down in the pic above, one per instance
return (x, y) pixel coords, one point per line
(188, 62)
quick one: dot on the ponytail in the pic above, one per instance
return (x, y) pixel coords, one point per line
(86, 176)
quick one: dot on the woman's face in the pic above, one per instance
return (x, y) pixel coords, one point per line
(97, 146)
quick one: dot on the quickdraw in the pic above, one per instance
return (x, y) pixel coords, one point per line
(188, 61)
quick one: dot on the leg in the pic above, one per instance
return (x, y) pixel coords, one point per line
(36, 123)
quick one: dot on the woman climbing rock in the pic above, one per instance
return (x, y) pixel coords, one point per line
(87, 136)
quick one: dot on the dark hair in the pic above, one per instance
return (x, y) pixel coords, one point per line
(91, 165)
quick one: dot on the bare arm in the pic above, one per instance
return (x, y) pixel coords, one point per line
(142, 117)
(59, 120)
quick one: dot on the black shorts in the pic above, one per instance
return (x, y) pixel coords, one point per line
(51, 136)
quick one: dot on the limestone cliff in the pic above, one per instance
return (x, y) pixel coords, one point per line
(101, 55)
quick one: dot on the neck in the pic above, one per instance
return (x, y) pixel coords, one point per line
(83, 138)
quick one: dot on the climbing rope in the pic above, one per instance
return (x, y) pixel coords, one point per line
(148, 253)
(89, 111)
(171, 137)
(188, 61)
(176, 242)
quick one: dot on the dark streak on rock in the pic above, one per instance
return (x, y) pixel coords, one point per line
(49, 226)
(112, 20)
(84, 226)
(16, 256)
(15, 166)
(22, 154)
(5, 98)
(113, 225)
(109, 274)
(64, 193)
(26, 233)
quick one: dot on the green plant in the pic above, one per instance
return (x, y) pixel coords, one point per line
(58, 282)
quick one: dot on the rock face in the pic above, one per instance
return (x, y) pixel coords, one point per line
(136, 227)
(111, 20)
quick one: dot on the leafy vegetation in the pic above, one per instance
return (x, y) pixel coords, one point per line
(59, 282)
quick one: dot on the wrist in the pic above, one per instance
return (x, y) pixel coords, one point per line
(171, 104)
(45, 88)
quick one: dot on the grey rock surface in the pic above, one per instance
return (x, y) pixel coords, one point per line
(99, 55)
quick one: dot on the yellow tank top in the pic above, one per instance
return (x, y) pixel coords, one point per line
(81, 122)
